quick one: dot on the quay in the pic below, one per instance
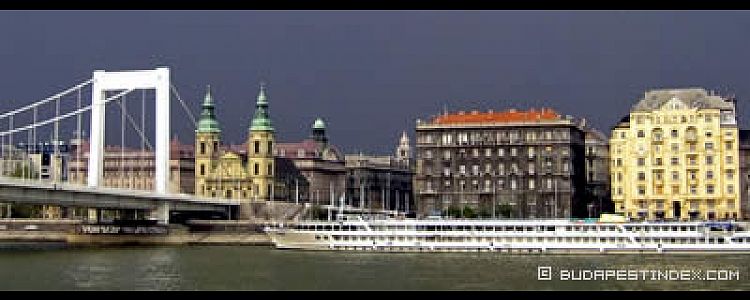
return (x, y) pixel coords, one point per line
(71, 232)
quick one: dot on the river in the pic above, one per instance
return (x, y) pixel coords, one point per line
(24, 267)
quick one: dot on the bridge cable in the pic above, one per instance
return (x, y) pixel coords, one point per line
(40, 102)
(122, 137)
(56, 140)
(80, 139)
(62, 117)
(184, 106)
(143, 127)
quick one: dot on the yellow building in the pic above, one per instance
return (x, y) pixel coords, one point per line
(222, 173)
(676, 157)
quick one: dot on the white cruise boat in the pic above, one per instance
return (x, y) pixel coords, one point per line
(514, 236)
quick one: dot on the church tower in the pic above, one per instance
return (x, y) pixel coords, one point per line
(260, 150)
(403, 151)
(319, 131)
(207, 138)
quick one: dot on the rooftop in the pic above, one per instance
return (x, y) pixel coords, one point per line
(509, 116)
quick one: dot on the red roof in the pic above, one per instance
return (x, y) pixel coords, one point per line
(510, 116)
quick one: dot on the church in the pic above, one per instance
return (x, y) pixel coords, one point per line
(229, 173)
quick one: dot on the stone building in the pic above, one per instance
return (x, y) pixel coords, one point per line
(381, 182)
(321, 164)
(675, 156)
(130, 168)
(744, 140)
(520, 164)
(598, 196)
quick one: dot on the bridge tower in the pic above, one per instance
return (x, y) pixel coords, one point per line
(207, 141)
(157, 79)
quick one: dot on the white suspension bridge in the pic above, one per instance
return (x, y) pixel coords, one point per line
(25, 184)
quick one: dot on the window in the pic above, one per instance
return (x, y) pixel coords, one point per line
(501, 152)
(203, 170)
(501, 169)
(531, 168)
(730, 174)
(270, 170)
(710, 189)
(641, 161)
(709, 160)
(693, 190)
(675, 147)
(531, 152)
(216, 147)
(256, 147)
(462, 170)
(446, 172)
(203, 148)
(709, 174)
(709, 146)
(619, 190)
(475, 170)
(270, 147)
(641, 176)
(675, 161)
(674, 133)
(257, 169)
(657, 161)
(488, 169)
(641, 190)
(730, 159)
(708, 118)
(728, 145)
(641, 134)
(531, 184)
(475, 152)
(513, 185)
(618, 162)
(675, 175)
(513, 152)
(549, 183)
(487, 152)
(730, 189)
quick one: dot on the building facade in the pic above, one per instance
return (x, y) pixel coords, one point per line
(744, 137)
(381, 182)
(221, 172)
(134, 169)
(676, 156)
(514, 164)
(321, 164)
(598, 195)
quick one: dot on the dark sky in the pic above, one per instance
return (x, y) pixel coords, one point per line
(371, 74)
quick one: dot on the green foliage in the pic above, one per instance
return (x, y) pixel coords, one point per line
(469, 213)
(24, 172)
(504, 210)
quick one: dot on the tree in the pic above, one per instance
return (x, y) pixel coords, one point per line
(504, 210)
(469, 213)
